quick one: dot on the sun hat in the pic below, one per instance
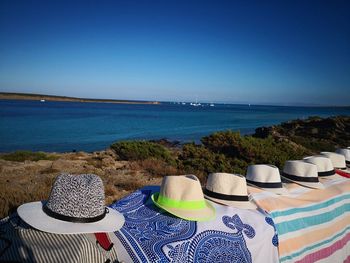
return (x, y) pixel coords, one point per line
(338, 160)
(346, 153)
(324, 166)
(266, 177)
(228, 189)
(182, 196)
(76, 205)
(302, 173)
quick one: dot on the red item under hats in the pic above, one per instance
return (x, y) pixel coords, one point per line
(342, 173)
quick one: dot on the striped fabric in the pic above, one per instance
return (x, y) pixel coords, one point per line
(21, 243)
(312, 225)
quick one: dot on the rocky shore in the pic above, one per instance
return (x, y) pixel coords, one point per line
(127, 166)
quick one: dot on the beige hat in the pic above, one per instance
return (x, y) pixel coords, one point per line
(228, 189)
(337, 159)
(266, 177)
(302, 173)
(182, 196)
(346, 153)
(324, 165)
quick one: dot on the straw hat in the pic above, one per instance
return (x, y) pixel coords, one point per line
(266, 177)
(338, 160)
(346, 153)
(183, 197)
(324, 166)
(228, 189)
(302, 173)
(76, 205)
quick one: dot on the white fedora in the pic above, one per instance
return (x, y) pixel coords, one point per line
(338, 160)
(346, 153)
(302, 173)
(182, 196)
(228, 189)
(324, 166)
(76, 205)
(266, 177)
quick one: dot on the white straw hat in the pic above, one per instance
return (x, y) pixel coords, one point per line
(324, 166)
(337, 159)
(302, 173)
(228, 189)
(346, 153)
(76, 205)
(266, 177)
(182, 196)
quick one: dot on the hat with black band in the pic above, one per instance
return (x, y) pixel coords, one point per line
(228, 189)
(337, 159)
(76, 205)
(302, 173)
(324, 166)
(346, 153)
(266, 177)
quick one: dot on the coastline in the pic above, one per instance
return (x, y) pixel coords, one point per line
(38, 97)
(129, 165)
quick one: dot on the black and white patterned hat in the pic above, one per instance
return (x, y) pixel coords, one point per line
(76, 205)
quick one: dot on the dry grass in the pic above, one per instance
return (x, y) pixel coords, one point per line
(154, 167)
(22, 182)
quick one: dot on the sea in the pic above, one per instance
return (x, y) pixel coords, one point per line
(53, 126)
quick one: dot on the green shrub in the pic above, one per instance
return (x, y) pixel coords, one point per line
(228, 151)
(141, 150)
(200, 161)
(21, 156)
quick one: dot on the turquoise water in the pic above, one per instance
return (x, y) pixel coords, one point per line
(67, 126)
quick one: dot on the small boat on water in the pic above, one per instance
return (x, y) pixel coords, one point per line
(211, 105)
(42, 100)
(196, 104)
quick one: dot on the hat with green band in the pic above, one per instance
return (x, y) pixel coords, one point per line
(183, 197)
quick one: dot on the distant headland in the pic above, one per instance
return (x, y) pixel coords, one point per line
(43, 98)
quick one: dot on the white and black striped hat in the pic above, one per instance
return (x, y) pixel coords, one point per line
(228, 189)
(346, 153)
(76, 205)
(302, 173)
(266, 177)
(338, 160)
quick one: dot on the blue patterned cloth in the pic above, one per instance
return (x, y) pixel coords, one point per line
(153, 235)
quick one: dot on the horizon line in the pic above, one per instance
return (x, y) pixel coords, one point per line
(104, 100)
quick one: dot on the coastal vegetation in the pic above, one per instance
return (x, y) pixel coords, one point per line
(128, 165)
(21, 156)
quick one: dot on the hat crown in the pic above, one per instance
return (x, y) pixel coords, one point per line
(79, 196)
(228, 184)
(300, 168)
(322, 163)
(263, 173)
(182, 188)
(338, 160)
(345, 153)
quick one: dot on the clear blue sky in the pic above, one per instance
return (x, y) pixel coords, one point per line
(284, 52)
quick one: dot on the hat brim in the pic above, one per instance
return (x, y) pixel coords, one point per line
(279, 191)
(331, 177)
(33, 215)
(205, 214)
(238, 204)
(317, 185)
